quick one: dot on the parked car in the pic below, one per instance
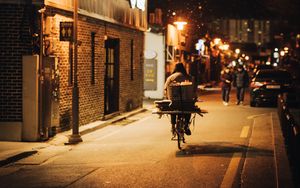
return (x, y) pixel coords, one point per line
(267, 84)
(260, 67)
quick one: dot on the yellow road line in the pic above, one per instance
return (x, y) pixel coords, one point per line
(231, 171)
(245, 131)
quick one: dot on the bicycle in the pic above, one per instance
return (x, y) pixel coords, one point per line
(179, 129)
(164, 107)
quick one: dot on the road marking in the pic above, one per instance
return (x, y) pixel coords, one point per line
(274, 151)
(257, 115)
(245, 131)
(231, 171)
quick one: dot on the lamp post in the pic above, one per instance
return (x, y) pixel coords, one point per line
(180, 26)
(75, 137)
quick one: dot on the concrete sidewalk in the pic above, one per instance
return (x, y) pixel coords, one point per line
(13, 151)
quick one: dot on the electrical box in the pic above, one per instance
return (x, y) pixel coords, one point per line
(30, 125)
(50, 97)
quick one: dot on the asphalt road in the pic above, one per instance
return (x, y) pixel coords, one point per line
(229, 147)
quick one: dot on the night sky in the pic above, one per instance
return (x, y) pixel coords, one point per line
(208, 10)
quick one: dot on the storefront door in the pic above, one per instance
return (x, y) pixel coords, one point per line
(111, 85)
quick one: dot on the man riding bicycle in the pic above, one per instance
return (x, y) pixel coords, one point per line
(179, 75)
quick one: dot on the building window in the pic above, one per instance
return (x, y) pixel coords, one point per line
(70, 64)
(93, 58)
(131, 60)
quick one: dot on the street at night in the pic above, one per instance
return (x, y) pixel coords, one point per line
(231, 145)
(150, 93)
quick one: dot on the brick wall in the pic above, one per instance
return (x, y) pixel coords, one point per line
(91, 99)
(15, 41)
(16, 29)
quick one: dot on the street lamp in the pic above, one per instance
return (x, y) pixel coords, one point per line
(237, 51)
(217, 41)
(180, 24)
(75, 137)
(224, 47)
(286, 50)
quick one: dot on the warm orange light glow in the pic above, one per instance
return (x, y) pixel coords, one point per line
(237, 51)
(225, 47)
(180, 24)
(217, 41)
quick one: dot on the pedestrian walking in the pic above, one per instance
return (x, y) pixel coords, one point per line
(195, 72)
(241, 82)
(179, 75)
(226, 80)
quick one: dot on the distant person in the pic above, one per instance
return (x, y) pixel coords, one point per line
(195, 72)
(226, 80)
(241, 82)
(179, 75)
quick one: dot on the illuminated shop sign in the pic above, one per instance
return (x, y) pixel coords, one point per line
(140, 4)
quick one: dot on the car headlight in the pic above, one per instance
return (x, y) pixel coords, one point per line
(256, 84)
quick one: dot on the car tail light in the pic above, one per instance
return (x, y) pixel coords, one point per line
(256, 84)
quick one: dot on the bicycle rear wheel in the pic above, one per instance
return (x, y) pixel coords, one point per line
(180, 132)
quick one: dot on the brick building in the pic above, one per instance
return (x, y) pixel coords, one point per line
(110, 60)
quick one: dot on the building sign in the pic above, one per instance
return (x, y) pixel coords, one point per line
(150, 54)
(140, 4)
(66, 31)
(150, 74)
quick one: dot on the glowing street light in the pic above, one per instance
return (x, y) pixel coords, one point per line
(282, 53)
(237, 51)
(286, 50)
(180, 23)
(224, 47)
(217, 41)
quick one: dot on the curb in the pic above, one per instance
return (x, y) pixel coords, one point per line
(113, 120)
(17, 157)
(283, 170)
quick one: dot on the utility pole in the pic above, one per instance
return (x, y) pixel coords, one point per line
(75, 137)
